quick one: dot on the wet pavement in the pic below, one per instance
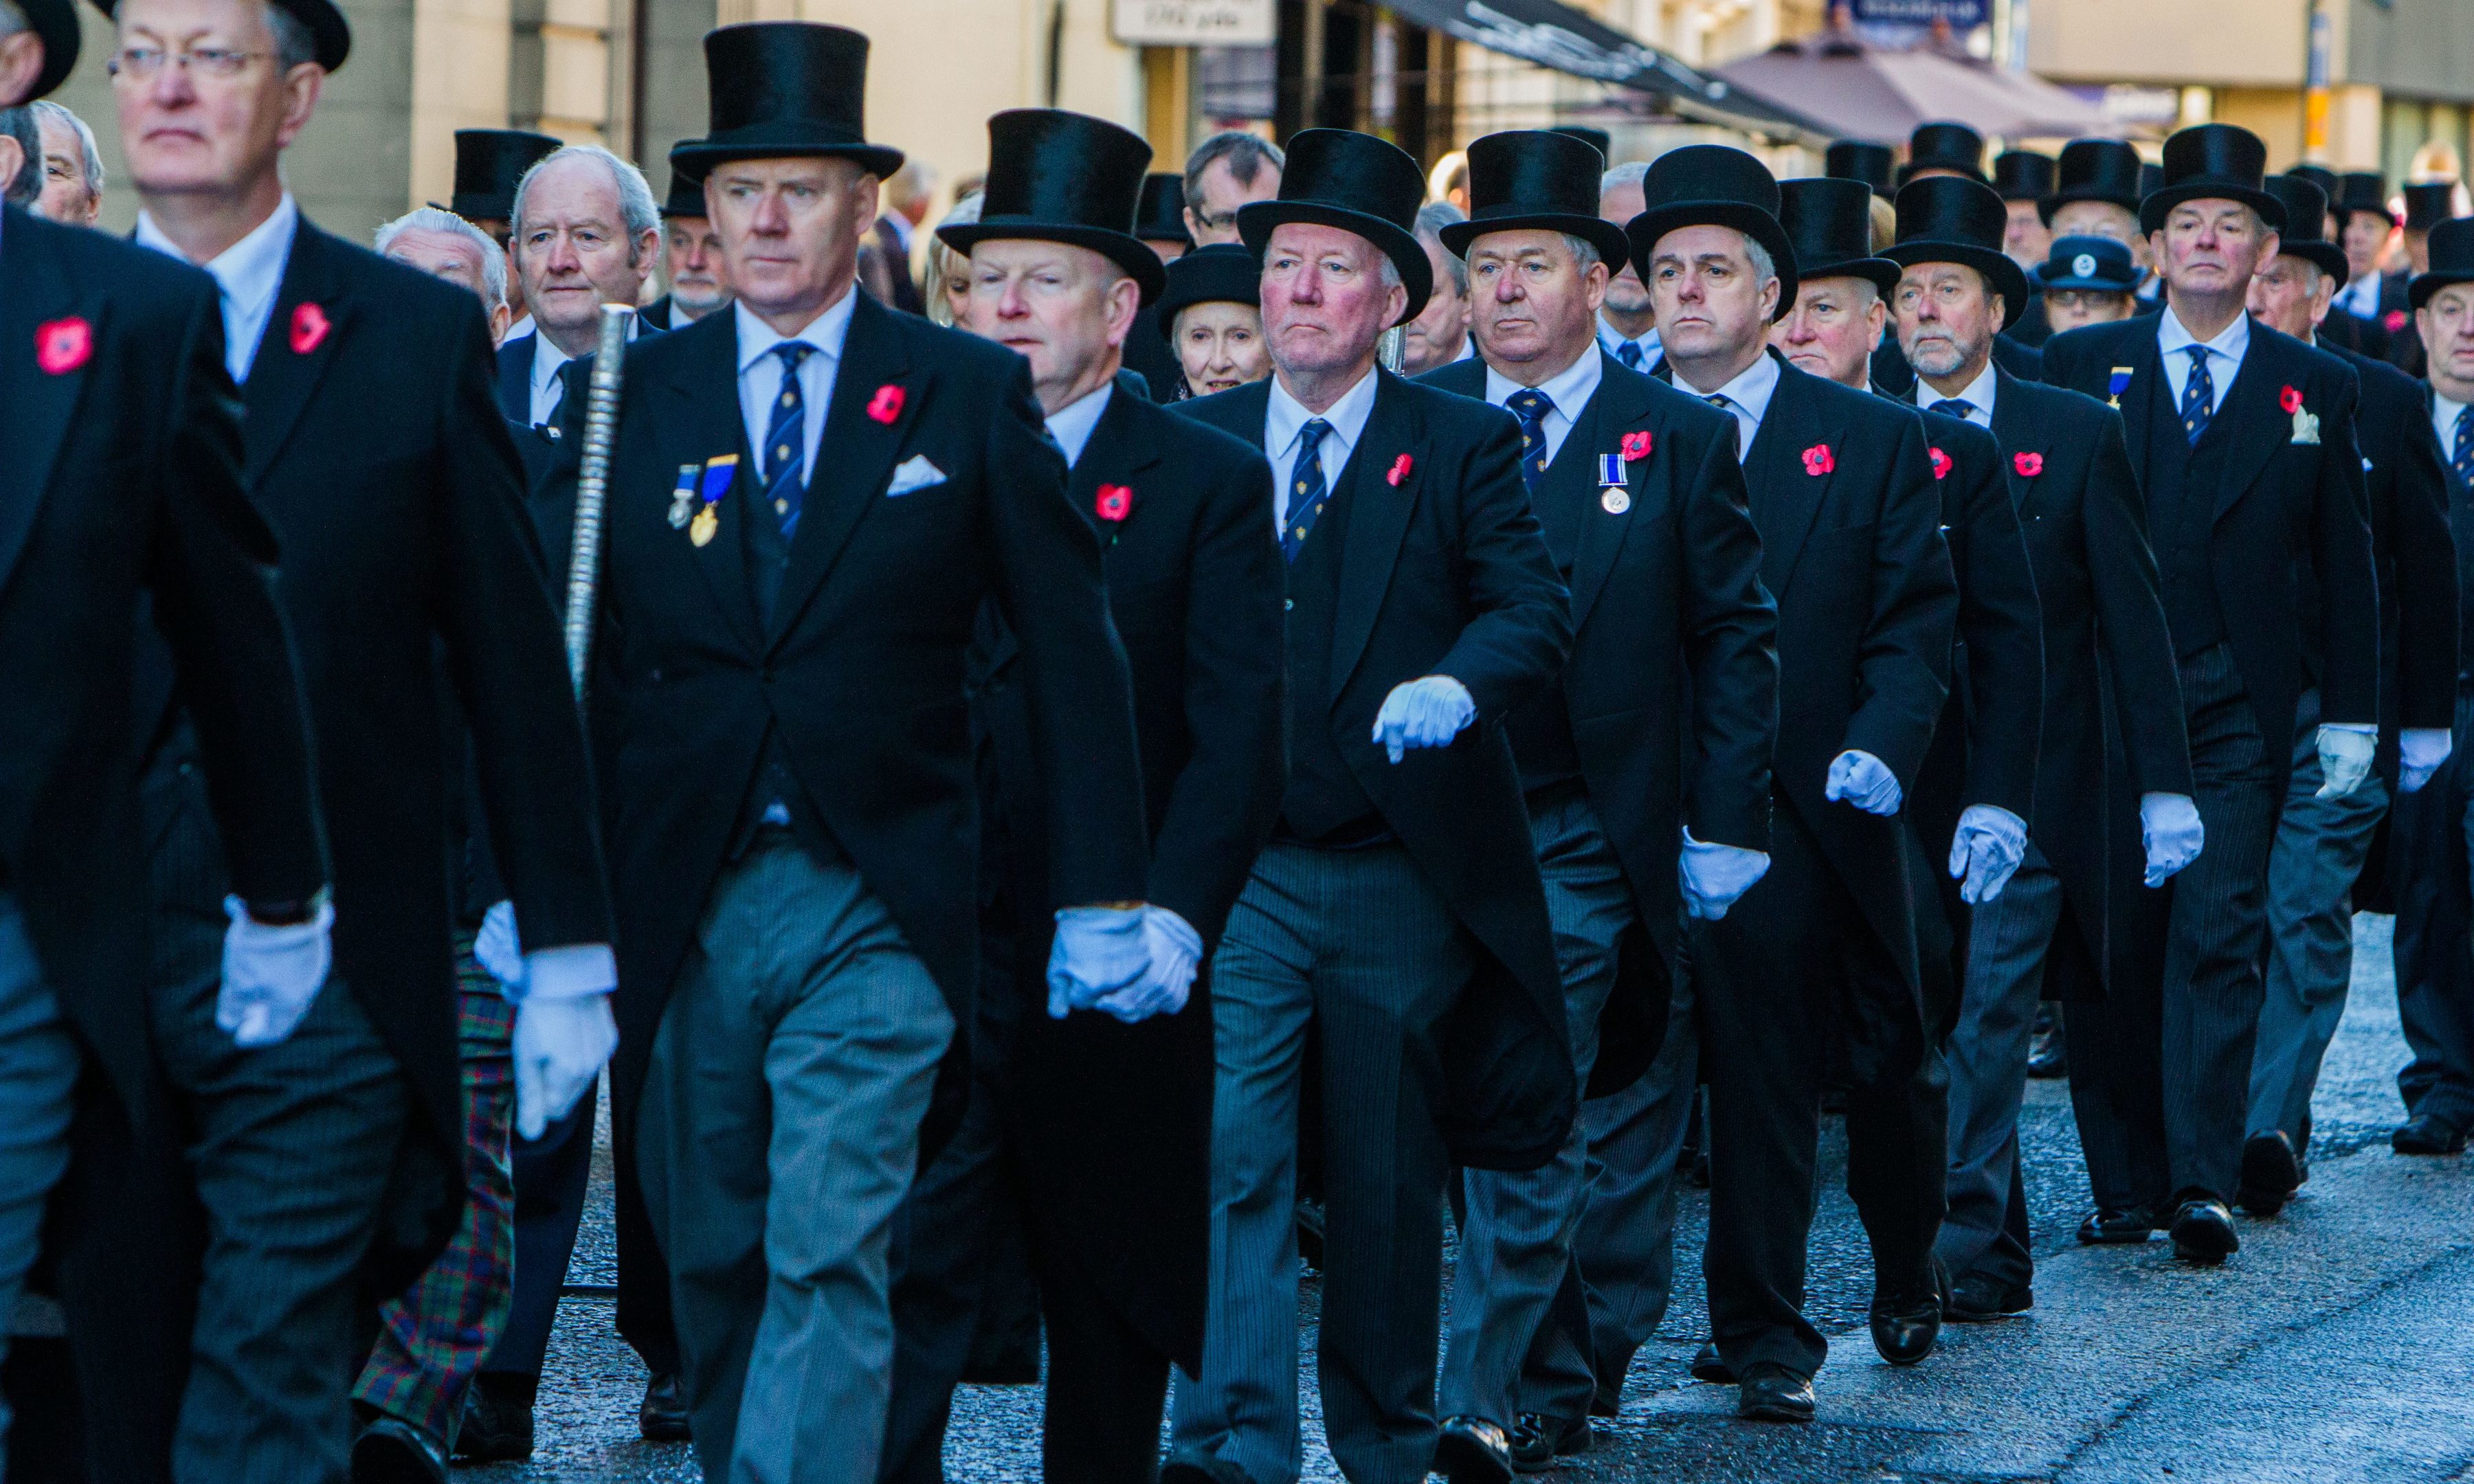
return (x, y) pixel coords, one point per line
(2329, 1350)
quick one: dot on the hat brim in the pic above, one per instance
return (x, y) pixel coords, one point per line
(2324, 255)
(2153, 210)
(1642, 233)
(55, 23)
(1913, 167)
(1256, 221)
(2071, 286)
(698, 157)
(1128, 252)
(2008, 278)
(482, 208)
(1883, 274)
(2050, 206)
(2344, 213)
(2419, 288)
(1597, 232)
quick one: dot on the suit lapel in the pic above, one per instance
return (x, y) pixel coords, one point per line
(700, 421)
(515, 380)
(1378, 517)
(2012, 434)
(2146, 362)
(1598, 431)
(2260, 425)
(1117, 454)
(856, 455)
(282, 379)
(40, 405)
(1786, 496)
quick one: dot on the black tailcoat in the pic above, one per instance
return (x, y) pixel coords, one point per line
(1445, 573)
(1676, 573)
(515, 369)
(2403, 346)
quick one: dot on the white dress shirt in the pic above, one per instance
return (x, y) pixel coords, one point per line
(547, 358)
(1070, 424)
(248, 275)
(2444, 421)
(1286, 415)
(1614, 340)
(760, 376)
(2225, 355)
(2360, 297)
(1747, 398)
(1569, 389)
(1977, 395)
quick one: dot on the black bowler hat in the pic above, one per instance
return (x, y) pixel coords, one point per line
(2089, 265)
(330, 35)
(2452, 260)
(489, 162)
(1358, 183)
(1223, 273)
(2361, 190)
(1944, 147)
(1597, 139)
(2023, 175)
(56, 26)
(2212, 163)
(1945, 220)
(2103, 170)
(687, 194)
(1861, 160)
(2306, 224)
(1160, 215)
(1831, 225)
(783, 88)
(1713, 185)
(1061, 176)
(1531, 177)
(2427, 204)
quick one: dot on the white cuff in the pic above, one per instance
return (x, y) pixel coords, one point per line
(571, 972)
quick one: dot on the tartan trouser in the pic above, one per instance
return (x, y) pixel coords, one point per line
(432, 1337)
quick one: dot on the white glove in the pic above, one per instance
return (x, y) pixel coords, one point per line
(272, 975)
(1177, 953)
(2420, 750)
(566, 972)
(561, 1043)
(497, 948)
(2169, 829)
(1989, 845)
(2345, 751)
(1425, 713)
(1715, 876)
(1098, 951)
(1863, 781)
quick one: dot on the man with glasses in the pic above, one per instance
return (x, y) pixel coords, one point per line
(1223, 173)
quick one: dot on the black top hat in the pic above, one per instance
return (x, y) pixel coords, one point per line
(1356, 182)
(1061, 176)
(1529, 178)
(2090, 265)
(2452, 260)
(2023, 175)
(56, 26)
(1944, 147)
(1861, 160)
(330, 35)
(2103, 170)
(2306, 224)
(1945, 220)
(2212, 163)
(2152, 180)
(1223, 273)
(1160, 215)
(2359, 190)
(782, 88)
(489, 162)
(2320, 176)
(1831, 223)
(2427, 204)
(1713, 185)
(687, 194)
(1597, 139)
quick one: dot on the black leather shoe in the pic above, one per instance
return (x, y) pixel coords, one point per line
(1539, 1440)
(1977, 1300)
(498, 1426)
(661, 1417)
(1906, 1323)
(2118, 1226)
(1193, 1466)
(1473, 1450)
(390, 1451)
(2425, 1133)
(2270, 1174)
(1707, 1367)
(2048, 1050)
(1771, 1393)
(2203, 1231)
(1606, 1401)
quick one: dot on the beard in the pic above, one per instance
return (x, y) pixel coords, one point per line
(1938, 356)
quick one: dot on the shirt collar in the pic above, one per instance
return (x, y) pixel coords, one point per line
(1611, 337)
(1347, 416)
(1978, 393)
(2444, 416)
(826, 331)
(1070, 424)
(1569, 388)
(250, 272)
(2231, 342)
(1751, 389)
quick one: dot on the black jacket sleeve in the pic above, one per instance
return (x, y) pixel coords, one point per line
(2131, 621)
(1729, 626)
(1903, 661)
(2004, 627)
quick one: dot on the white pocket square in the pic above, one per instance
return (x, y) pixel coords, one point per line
(913, 474)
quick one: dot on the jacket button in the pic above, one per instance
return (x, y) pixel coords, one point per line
(1286, 604)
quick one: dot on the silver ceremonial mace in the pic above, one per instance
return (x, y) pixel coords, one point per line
(593, 488)
(1393, 349)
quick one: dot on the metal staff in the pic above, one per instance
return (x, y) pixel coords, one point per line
(593, 488)
(1392, 349)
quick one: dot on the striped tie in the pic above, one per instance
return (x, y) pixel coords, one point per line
(1953, 407)
(1530, 406)
(2198, 396)
(1308, 493)
(1629, 353)
(2461, 457)
(784, 438)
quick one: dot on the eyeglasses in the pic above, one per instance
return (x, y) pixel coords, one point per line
(1209, 222)
(142, 62)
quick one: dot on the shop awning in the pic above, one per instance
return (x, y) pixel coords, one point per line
(1857, 91)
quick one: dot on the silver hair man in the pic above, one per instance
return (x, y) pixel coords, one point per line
(636, 204)
(430, 219)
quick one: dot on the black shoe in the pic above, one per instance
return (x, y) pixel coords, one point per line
(1906, 1322)
(1975, 1299)
(2270, 1174)
(1771, 1393)
(498, 1426)
(661, 1417)
(1707, 1367)
(2118, 1226)
(1193, 1466)
(1539, 1440)
(2048, 1050)
(390, 1451)
(1606, 1401)
(1473, 1450)
(2425, 1133)
(2203, 1231)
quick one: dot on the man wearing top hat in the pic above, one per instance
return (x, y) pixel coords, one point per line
(1103, 1113)
(2322, 845)
(2427, 204)
(2244, 442)
(812, 497)
(690, 261)
(1398, 908)
(1948, 150)
(2024, 178)
(2365, 228)
(587, 233)
(488, 164)
(2061, 463)
(1815, 972)
(1159, 224)
(2097, 186)
(1875, 164)
(1642, 502)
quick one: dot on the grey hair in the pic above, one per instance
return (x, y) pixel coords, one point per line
(90, 156)
(1764, 266)
(1431, 218)
(429, 219)
(636, 205)
(13, 19)
(1245, 155)
(1585, 253)
(18, 123)
(293, 42)
(1629, 173)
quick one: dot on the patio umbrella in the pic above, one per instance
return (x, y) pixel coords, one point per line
(1865, 92)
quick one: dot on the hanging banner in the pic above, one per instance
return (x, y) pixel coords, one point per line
(1962, 14)
(1194, 22)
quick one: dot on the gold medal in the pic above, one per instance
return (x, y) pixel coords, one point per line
(701, 530)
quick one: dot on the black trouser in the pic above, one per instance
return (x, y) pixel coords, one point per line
(2432, 839)
(1107, 1386)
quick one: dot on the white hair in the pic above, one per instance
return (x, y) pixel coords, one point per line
(1584, 253)
(1629, 173)
(90, 158)
(1764, 266)
(636, 204)
(1392, 270)
(1431, 218)
(429, 219)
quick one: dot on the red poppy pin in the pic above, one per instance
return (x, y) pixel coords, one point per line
(1401, 468)
(1115, 502)
(1635, 446)
(887, 404)
(62, 345)
(1817, 461)
(309, 328)
(1940, 463)
(2029, 465)
(2290, 398)
(2393, 320)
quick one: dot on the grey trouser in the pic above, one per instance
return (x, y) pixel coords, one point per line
(38, 1070)
(777, 1134)
(1516, 1229)
(1362, 944)
(2006, 945)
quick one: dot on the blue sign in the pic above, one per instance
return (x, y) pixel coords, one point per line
(1962, 14)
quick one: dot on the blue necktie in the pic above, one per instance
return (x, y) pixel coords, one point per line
(1953, 407)
(785, 438)
(2198, 396)
(1530, 406)
(2461, 457)
(1308, 493)
(1629, 353)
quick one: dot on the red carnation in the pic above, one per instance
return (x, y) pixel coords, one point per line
(309, 328)
(2029, 465)
(1635, 448)
(1940, 463)
(2393, 320)
(1817, 461)
(887, 404)
(62, 345)
(1115, 502)
(2290, 398)
(1401, 468)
